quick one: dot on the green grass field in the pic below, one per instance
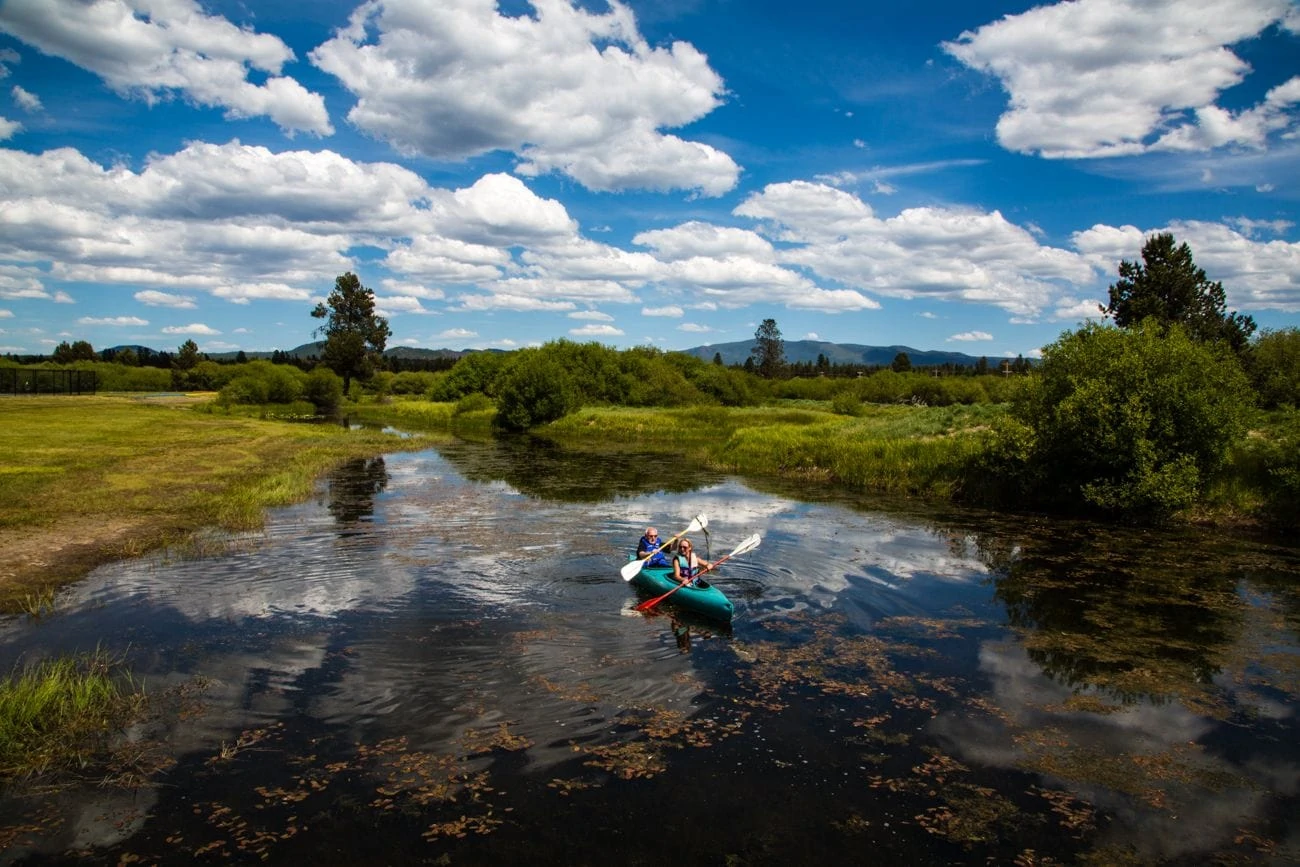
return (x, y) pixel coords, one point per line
(88, 479)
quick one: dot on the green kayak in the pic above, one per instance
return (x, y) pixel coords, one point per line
(701, 598)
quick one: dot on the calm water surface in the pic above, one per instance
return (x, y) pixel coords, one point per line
(435, 660)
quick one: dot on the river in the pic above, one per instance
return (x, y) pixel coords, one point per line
(435, 660)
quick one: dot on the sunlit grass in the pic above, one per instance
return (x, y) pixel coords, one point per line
(92, 478)
(413, 413)
(54, 715)
(855, 457)
(900, 449)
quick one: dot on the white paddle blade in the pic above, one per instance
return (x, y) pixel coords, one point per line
(631, 569)
(746, 546)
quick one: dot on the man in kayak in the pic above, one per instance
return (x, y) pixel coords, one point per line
(650, 542)
(686, 565)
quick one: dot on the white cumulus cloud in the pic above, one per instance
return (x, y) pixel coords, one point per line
(26, 100)
(157, 49)
(154, 298)
(572, 91)
(1103, 78)
(116, 321)
(192, 328)
(942, 253)
(596, 331)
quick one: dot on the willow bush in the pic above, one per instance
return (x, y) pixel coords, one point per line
(1134, 420)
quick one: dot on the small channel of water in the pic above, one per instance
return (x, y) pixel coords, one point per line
(435, 660)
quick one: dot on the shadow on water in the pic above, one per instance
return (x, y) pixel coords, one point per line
(435, 660)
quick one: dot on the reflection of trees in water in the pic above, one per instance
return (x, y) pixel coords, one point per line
(541, 468)
(353, 486)
(1283, 586)
(1131, 615)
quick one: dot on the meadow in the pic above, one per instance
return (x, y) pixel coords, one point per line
(90, 479)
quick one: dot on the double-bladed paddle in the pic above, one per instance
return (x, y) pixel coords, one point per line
(744, 547)
(634, 567)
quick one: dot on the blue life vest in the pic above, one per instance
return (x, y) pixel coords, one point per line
(656, 559)
(688, 571)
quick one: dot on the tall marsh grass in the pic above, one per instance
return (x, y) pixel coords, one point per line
(889, 449)
(833, 452)
(57, 714)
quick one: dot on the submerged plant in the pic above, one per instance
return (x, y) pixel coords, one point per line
(38, 604)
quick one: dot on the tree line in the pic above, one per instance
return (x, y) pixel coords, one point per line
(1136, 413)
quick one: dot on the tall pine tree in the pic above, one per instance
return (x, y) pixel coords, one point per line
(354, 336)
(1169, 287)
(768, 353)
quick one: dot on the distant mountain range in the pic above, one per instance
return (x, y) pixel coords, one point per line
(796, 352)
(309, 349)
(806, 351)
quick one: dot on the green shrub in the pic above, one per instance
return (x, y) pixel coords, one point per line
(884, 387)
(647, 379)
(727, 386)
(476, 402)
(324, 388)
(244, 389)
(474, 372)
(413, 382)
(846, 403)
(1275, 368)
(808, 388)
(1132, 420)
(537, 388)
(121, 377)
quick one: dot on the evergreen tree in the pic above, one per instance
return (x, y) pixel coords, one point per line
(1169, 287)
(354, 335)
(768, 353)
(187, 355)
(901, 363)
(78, 350)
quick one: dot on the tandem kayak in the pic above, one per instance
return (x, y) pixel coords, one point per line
(701, 597)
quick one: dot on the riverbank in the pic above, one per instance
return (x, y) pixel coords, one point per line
(887, 449)
(90, 479)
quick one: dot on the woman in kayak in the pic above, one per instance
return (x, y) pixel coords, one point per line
(686, 565)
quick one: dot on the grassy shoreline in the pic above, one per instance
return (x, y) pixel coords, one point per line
(892, 449)
(89, 479)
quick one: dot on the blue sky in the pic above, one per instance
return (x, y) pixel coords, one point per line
(965, 177)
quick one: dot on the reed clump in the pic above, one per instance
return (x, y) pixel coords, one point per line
(58, 714)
